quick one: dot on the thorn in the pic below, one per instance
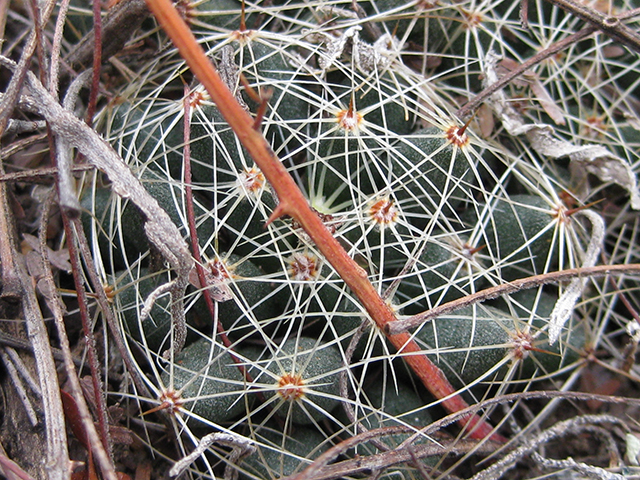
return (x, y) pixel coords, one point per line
(253, 95)
(162, 406)
(541, 350)
(471, 251)
(243, 25)
(571, 211)
(279, 211)
(265, 96)
(463, 129)
(261, 98)
(395, 29)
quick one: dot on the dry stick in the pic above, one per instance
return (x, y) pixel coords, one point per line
(11, 289)
(39, 175)
(381, 461)
(70, 208)
(11, 469)
(99, 448)
(106, 309)
(195, 245)
(56, 457)
(56, 307)
(315, 471)
(97, 61)
(552, 49)
(55, 47)
(507, 288)
(38, 27)
(294, 204)
(12, 92)
(87, 329)
(16, 379)
(573, 425)
(22, 286)
(158, 227)
(20, 344)
(18, 145)
(608, 24)
(118, 25)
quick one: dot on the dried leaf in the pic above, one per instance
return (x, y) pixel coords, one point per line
(567, 302)
(58, 258)
(591, 158)
(74, 419)
(216, 284)
(547, 103)
(530, 78)
(486, 120)
(33, 260)
(633, 448)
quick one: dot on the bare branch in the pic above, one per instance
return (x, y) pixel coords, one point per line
(507, 288)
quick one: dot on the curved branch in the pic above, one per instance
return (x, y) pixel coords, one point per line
(507, 288)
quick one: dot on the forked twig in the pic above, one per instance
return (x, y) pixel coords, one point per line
(552, 49)
(506, 289)
(293, 203)
(321, 470)
(610, 25)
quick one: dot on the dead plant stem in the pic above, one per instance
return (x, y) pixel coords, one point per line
(97, 62)
(12, 92)
(56, 457)
(87, 329)
(56, 307)
(195, 246)
(506, 289)
(317, 470)
(468, 108)
(610, 25)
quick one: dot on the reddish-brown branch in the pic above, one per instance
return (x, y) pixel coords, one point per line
(87, 328)
(193, 233)
(294, 204)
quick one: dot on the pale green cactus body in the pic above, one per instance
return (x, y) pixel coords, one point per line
(281, 455)
(480, 344)
(443, 272)
(133, 289)
(255, 304)
(433, 171)
(429, 209)
(210, 384)
(212, 13)
(300, 378)
(519, 235)
(399, 404)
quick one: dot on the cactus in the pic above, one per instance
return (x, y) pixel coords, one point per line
(300, 377)
(431, 209)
